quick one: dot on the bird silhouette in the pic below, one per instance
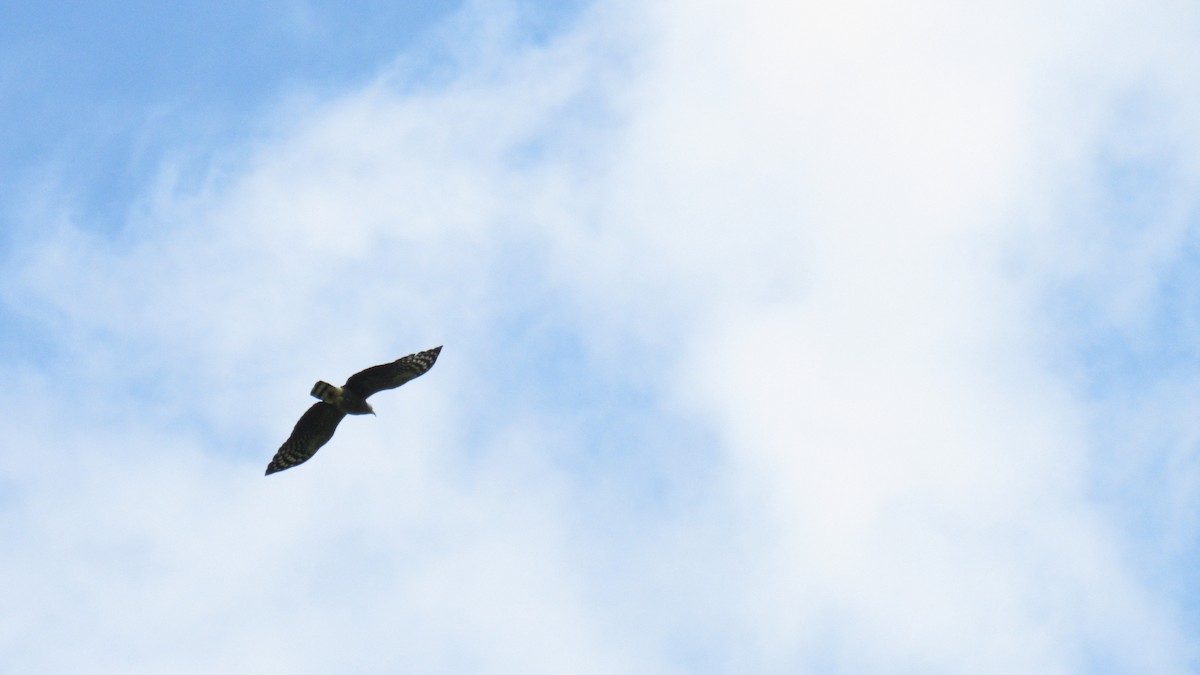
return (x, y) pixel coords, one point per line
(317, 424)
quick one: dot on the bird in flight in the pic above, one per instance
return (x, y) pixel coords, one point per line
(316, 426)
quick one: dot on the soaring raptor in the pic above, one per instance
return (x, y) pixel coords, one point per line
(316, 426)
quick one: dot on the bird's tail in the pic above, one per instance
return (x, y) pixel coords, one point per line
(325, 391)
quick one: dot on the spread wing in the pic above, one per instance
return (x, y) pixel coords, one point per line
(315, 428)
(391, 375)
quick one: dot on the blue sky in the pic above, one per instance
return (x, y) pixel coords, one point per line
(777, 338)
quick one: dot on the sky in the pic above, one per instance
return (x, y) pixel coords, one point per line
(779, 337)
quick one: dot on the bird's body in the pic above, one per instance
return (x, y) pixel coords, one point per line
(317, 424)
(341, 398)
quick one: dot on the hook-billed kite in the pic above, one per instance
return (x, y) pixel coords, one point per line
(316, 426)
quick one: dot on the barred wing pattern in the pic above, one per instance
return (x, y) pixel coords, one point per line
(317, 425)
(315, 428)
(391, 375)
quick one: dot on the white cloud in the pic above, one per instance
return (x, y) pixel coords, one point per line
(738, 374)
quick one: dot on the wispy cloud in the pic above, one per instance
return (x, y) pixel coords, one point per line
(753, 361)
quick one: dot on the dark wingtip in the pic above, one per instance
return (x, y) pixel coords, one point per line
(270, 470)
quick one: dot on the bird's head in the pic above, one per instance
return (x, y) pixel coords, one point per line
(356, 407)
